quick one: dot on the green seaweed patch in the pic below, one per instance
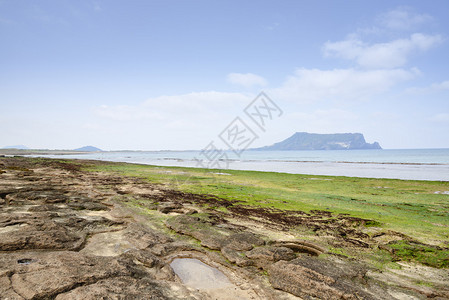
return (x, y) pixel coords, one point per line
(416, 252)
(382, 259)
(16, 168)
(425, 283)
(338, 251)
(372, 223)
(410, 207)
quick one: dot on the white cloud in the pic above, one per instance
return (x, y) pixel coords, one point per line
(126, 113)
(434, 87)
(391, 54)
(247, 80)
(332, 120)
(197, 101)
(194, 119)
(384, 116)
(177, 110)
(328, 116)
(403, 18)
(308, 85)
(186, 121)
(368, 48)
(440, 86)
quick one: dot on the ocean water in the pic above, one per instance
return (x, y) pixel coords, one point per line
(419, 164)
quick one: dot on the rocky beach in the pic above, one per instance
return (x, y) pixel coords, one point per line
(70, 233)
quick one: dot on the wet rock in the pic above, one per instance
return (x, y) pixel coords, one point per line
(181, 224)
(46, 229)
(54, 273)
(129, 288)
(87, 205)
(312, 277)
(236, 257)
(168, 207)
(44, 207)
(210, 240)
(40, 236)
(267, 255)
(46, 196)
(168, 248)
(190, 211)
(202, 230)
(144, 257)
(243, 241)
(216, 236)
(89, 224)
(6, 289)
(4, 191)
(158, 269)
(301, 246)
(144, 237)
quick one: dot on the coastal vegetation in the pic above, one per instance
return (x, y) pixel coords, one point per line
(418, 210)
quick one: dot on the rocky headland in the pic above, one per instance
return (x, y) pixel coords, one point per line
(317, 141)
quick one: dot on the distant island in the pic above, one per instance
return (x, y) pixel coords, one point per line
(20, 147)
(88, 149)
(23, 150)
(316, 141)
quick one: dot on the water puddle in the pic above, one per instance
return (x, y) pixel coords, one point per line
(197, 274)
(25, 261)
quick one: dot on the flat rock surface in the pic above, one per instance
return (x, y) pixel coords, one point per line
(66, 233)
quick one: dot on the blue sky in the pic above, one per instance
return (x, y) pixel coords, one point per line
(156, 75)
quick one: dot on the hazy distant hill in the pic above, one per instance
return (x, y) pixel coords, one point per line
(88, 149)
(22, 147)
(315, 141)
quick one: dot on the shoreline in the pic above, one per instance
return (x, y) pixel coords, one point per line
(357, 169)
(402, 171)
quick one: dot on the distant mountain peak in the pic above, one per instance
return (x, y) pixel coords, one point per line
(88, 149)
(317, 141)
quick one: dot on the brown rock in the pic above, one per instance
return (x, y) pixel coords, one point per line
(144, 237)
(6, 289)
(167, 207)
(40, 236)
(168, 248)
(48, 274)
(236, 257)
(202, 230)
(271, 254)
(144, 257)
(243, 241)
(128, 288)
(87, 204)
(301, 246)
(157, 268)
(313, 277)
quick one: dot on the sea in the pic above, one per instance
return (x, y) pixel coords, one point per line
(407, 164)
